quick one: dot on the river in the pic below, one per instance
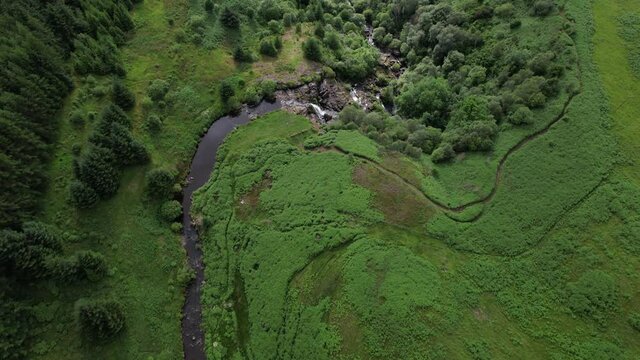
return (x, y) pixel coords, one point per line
(202, 165)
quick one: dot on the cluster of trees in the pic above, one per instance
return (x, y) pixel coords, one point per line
(338, 41)
(28, 255)
(36, 40)
(111, 147)
(467, 74)
(410, 137)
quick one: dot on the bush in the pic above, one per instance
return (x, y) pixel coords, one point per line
(543, 7)
(81, 195)
(76, 119)
(634, 321)
(122, 96)
(227, 90)
(153, 123)
(229, 18)
(267, 47)
(443, 153)
(522, 116)
(158, 89)
(170, 210)
(159, 183)
(92, 264)
(594, 295)
(312, 49)
(100, 319)
(208, 6)
(242, 54)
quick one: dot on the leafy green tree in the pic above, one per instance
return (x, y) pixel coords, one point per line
(443, 153)
(170, 210)
(431, 96)
(100, 319)
(426, 139)
(522, 116)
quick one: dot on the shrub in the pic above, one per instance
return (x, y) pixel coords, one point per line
(208, 6)
(153, 123)
(242, 54)
(312, 49)
(594, 295)
(430, 95)
(76, 119)
(113, 114)
(170, 210)
(227, 90)
(81, 195)
(100, 319)
(543, 7)
(159, 183)
(267, 47)
(92, 264)
(522, 116)
(229, 18)
(634, 321)
(158, 89)
(443, 153)
(122, 96)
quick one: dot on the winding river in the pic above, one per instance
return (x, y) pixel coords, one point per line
(202, 165)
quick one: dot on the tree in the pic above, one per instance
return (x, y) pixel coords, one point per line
(426, 139)
(113, 114)
(543, 7)
(267, 47)
(208, 6)
(312, 49)
(227, 90)
(522, 116)
(443, 153)
(229, 18)
(100, 319)
(158, 89)
(81, 195)
(170, 210)
(160, 183)
(430, 96)
(97, 170)
(122, 96)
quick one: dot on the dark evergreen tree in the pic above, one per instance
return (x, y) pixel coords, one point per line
(100, 319)
(122, 96)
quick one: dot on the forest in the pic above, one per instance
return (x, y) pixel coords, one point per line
(319, 179)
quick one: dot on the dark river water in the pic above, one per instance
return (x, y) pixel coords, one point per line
(202, 165)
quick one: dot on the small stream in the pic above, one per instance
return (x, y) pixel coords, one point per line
(202, 165)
